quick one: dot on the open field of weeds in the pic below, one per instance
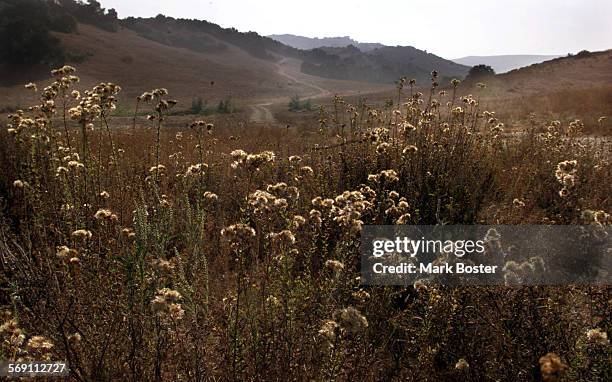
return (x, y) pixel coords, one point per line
(218, 252)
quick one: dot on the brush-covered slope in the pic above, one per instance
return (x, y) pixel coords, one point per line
(308, 43)
(204, 36)
(139, 64)
(383, 64)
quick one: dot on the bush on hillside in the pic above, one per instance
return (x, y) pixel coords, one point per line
(295, 104)
(225, 106)
(480, 71)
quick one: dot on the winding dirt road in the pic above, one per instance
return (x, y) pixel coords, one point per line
(261, 112)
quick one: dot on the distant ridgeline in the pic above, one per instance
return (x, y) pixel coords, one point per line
(382, 64)
(204, 36)
(29, 23)
(26, 25)
(307, 43)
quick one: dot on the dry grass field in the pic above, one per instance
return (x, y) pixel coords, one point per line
(137, 249)
(180, 201)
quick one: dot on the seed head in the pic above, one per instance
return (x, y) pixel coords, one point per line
(39, 343)
(64, 253)
(81, 234)
(334, 265)
(283, 238)
(238, 233)
(210, 196)
(329, 330)
(551, 367)
(597, 336)
(103, 214)
(360, 295)
(462, 364)
(351, 320)
(74, 338)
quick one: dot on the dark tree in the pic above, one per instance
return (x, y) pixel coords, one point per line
(480, 71)
(583, 53)
(112, 14)
(92, 13)
(24, 34)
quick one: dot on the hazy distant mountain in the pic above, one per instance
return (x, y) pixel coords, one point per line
(371, 62)
(384, 64)
(504, 63)
(190, 55)
(307, 43)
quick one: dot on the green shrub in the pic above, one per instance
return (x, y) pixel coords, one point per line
(225, 106)
(197, 106)
(295, 104)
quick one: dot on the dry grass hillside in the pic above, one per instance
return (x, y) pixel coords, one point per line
(581, 70)
(585, 70)
(578, 86)
(566, 88)
(138, 63)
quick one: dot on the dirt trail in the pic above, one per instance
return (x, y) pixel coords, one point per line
(261, 112)
(320, 92)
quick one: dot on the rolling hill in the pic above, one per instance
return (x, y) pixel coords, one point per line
(504, 63)
(384, 64)
(213, 64)
(580, 71)
(139, 64)
(307, 43)
(565, 88)
(380, 65)
(197, 59)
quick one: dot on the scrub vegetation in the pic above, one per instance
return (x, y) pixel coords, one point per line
(221, 252)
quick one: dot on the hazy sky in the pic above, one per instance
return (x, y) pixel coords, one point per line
(449, 28)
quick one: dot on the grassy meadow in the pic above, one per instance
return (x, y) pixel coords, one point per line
(228, 251)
